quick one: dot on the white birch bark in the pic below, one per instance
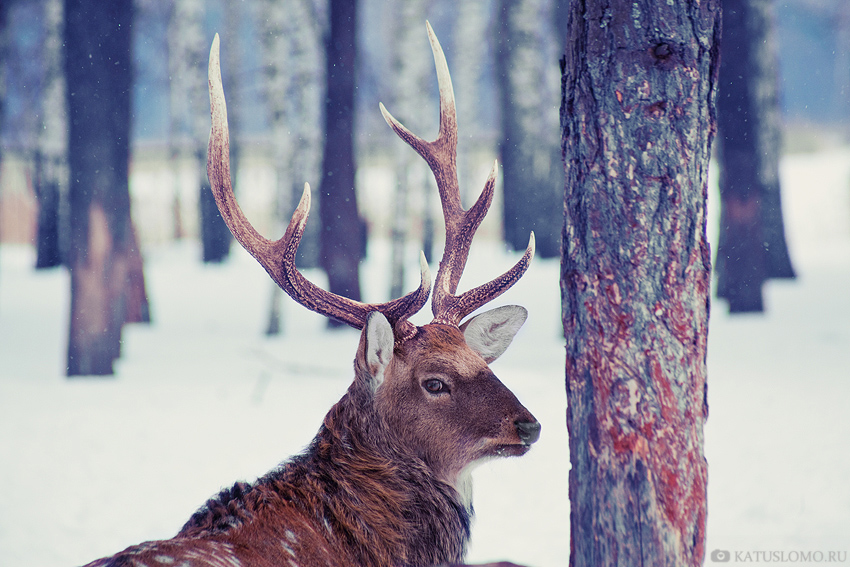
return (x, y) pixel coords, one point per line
(291, 32)
(52, 137)
(472, 48)
(411, 72)
(532, 169)
(293, 84)
(4, 62)
(188, 119)
(533, 75)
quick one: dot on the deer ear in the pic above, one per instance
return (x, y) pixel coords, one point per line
(379, 346)
(490, 333)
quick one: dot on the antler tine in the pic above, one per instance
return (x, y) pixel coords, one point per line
(441, 155)
(218, 165)
(278, 257)
(452, 309)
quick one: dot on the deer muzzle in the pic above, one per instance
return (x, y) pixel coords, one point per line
(528, 431)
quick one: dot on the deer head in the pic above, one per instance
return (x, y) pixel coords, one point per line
(430, 385)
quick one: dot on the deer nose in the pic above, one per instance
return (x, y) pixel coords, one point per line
(528, 431)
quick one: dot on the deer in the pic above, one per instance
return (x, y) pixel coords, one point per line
(386, 480)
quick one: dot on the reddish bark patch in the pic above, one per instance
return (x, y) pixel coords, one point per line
(637, 118)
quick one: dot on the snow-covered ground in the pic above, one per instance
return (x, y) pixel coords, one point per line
(202, 398)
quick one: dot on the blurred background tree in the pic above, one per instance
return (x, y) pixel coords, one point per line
(107, 289)
(50, 180)
(532, 169)
(343, 230)
(189, 114)
(409, 97)
(274, 78)
(291, 35)
(751, 247)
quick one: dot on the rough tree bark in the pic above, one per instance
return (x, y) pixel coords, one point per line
(527, 72)
(107, 287)
(751, 247)
(342, 229)
(638, 91)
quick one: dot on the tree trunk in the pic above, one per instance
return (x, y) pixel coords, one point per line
(292, 84)
(342, 229)
(215, 236)
(184, 39)
(51, 167)
(48, 193)
(752, 244)
(471, 27)
(308, 25)
(411, 71)
(528, 93)
(638, 91)
(189, 119)
(4, 56)
(274, 17)
(103, 256)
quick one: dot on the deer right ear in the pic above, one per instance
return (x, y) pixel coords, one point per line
(380, 342)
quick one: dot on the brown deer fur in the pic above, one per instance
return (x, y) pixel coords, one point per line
(378, 485)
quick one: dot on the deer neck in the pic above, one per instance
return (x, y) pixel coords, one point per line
(377, 506)
(410, 516)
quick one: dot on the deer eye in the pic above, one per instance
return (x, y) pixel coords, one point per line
(434, 386)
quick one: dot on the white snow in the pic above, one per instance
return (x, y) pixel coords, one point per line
(202, 399)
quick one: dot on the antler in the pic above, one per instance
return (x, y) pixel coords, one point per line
(278, 257)
(441, 155)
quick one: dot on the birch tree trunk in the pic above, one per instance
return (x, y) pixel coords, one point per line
(751, 247)
(410, 72)
(291, 33)
(526, 67)
(637, 116)
(51, 176)
(471, 44)
(104, 261)
(185, 38)
(4, 57)
(177, 100)
(189, 126)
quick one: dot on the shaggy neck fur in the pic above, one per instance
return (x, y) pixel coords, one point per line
(354, 491)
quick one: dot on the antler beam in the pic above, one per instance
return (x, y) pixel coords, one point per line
(278, 257)
(441, 155)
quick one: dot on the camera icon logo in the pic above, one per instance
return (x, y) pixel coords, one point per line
(720, 556)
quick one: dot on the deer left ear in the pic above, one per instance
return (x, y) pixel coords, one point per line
(490, 333)
(379, 346)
